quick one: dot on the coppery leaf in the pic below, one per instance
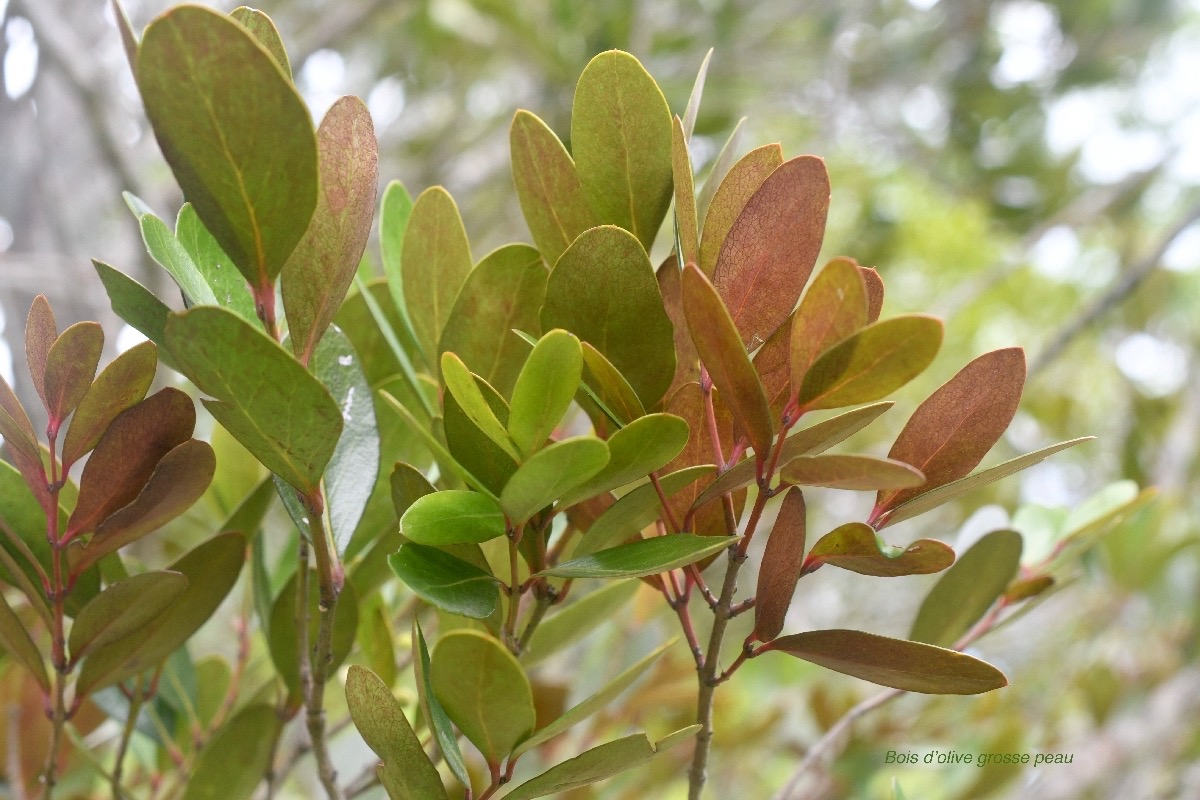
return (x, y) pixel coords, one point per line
(780, 570)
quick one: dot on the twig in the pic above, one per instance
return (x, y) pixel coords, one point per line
(330, 588)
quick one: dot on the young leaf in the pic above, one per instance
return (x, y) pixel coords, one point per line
(504, 292)
(321, 268)
(637, 509)
(609, 387)
(871, 364)
(874, 285)
(772, 247)
(169, 252)
(454, 516)
(120, 386)
(122, 609)
(621, 139)
(395, 210)
(265, 33)
(577, 619)
(686, 228)
(386, 730)
(283, 643)
(434, 263)
(856, 547)
(483, 690)
(252, 378)
(41, 331)
(435, 715)
(908, 666)
(850, 472)
(475, 450)
(732, 192)
(950, 433)
(544, 390)
(927, 501)
(70, 368)
(137, 305)
(780, 569)
(645, 557)
(548, 186)
(965, 593)
(460, 383)
(604, 291)
(232, 764)
(446, 582)
(643, 446)
(15, 640)
(549, 474)
(692, 110)
(23, 533)
(235, 132)
(833, 309)
(722, 353)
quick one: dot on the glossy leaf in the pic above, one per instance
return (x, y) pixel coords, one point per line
(504, 292)
(232, 764)
(621, 140)
(483, 690)
(873, 363)
(548, 186)
(265, 33)
(930, 500)
(235, 132)
(850, 472)
(435, 715)
(461, 384)
(15, 640)
(439, 451)
(857, 548)
(604, 291)
(874, 285)
(119, 386)
(475, 450)
(908, 666)
(645, 445)
(722, 353)
(434, 263)
(965, 593)
(577, 619)
(454, 516)
(320, 270)
(833, 309)
(122, 609)
(550, 473)
(386, 730)
(171, 255)
(686, 227)
(732, 192)
(138, 306)
(950, 433)
(446, 582)
(41, 331)
(610, 387)
(780, 568)
(645, 557)
(70, 368)
(637, 509)
(544, 389)
(283, 643)
(252, 378)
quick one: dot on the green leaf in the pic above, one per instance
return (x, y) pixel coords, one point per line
(725, 358)
(504, 292)
(609, 387)
(122, 609)
(544, 390)
(435, 715)
(604, 291)
(780, 568)
(24, 531)
(447, 582)
(950, 433)
(232, 764)
(637, 509)
(252, 378)
(645, 557)
(264, 31)
(692, 109)
(686, 228)
(483, 690)
(908, 666)
(15, 641)
(283, 643)
(645, 445)
(454, 516)
(875, 362)
(731, 188)
(394, 213)
(551, 473)
(70, 368)
(171, 255)
(965, 593)
(930, 500)
(460, 383)
(851, 472)
(440, 453)
(321, 268)
(235, 132)
(548, 186)
(138, 306)
(386, 730)
(120, 386)
(832, 310)
(597, 764)
(577, 619)
(856, 547)
(621, 139)
(434, 264)
(472, 448)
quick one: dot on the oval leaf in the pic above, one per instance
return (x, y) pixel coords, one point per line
(137, 305)
(264, 31)
(434, 263)
(874, 285)
(15, 640)
(455, 516)
(121, 385)
(856, 547)
(551, 473)
(544, 389)
(732, 191)
(122, 609)
(446, 582)
(833, 309)
(461, 384)
(645, 445)
(475, 450)
(609, 387)
(435, 715)
(645, 557)
(780, 569)
(548, 187)
(232, 764)
(851, 472)
(70, 368)
(41, 331)
(637, 509)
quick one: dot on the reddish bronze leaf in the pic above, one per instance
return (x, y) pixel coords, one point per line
(856, 547)
(874, 285)
(950, 433)
(15, 426)
(40, 333)
(687, 361)
(771, 249)
(119, 386)
(734, 191)
(780, 570)
(688, 402)
(774, 364)
(851, 472)
(70, 367)
(833, 309)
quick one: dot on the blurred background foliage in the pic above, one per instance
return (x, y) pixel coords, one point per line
(1029, 170)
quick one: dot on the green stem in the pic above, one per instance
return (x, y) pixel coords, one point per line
(135, 707)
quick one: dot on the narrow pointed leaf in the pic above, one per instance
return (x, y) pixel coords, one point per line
(621, 139)
(857, 548)
(950, 433)
(780, 568)
(637, 509)
(169, 252)
(120, 386)
(544, 390)
(874, 285)
(873, 363)
(686, 228)
(637, 559)
(550, 473)
(729, 194)
(446, 582)
(723, 354)
(138, 306)
(435, 715)
(265, 32)
(610, 387)
(434, 263)
(454, 516)
(548, 186)
(909, 666)
(235, 132)
(483, 690)
(965, 593)
(645, 445)
(716, 175)
(692, 110)
(15, 641)
(833, 309)
(395, 209)
(41, 331)
(70, 368)
(321, 268)
(232, 763)
(122, 609)
(862, 473)
(577, 619)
